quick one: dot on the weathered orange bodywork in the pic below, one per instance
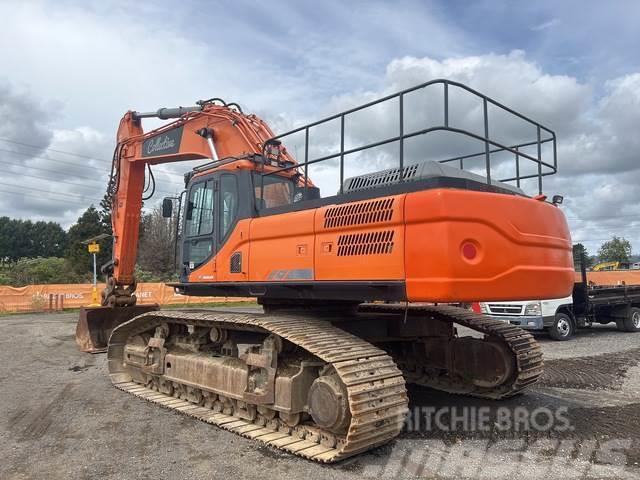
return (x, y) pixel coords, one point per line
(361, 224)
(281, 243)
(523, 247)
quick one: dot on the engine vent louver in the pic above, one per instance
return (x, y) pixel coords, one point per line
(360, 213)
(236, 263)
(378, 179)
(369, 243)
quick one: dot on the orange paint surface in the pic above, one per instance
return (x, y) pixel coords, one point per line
(523, 247)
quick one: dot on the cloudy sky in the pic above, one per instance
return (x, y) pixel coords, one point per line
(70, 69)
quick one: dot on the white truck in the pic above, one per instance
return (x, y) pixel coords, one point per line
(563, 316)
(555, 316)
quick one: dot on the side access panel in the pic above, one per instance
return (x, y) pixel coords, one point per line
(281, 248)
(231, 263)
(361, 240)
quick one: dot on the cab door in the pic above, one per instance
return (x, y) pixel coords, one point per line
(199, 244)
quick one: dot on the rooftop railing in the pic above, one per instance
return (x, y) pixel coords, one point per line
(529, 150)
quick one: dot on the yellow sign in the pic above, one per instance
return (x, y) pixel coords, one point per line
(94, 248)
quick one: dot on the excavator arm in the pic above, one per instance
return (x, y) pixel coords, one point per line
(210, 130)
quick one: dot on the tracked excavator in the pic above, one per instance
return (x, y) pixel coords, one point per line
(356, 287)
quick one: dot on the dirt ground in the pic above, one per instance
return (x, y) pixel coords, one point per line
(61, 418)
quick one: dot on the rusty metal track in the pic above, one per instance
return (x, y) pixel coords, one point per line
(527, 353)
(375, 386)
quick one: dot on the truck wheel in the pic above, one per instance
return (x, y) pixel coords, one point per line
(632, 322)
(562, 328)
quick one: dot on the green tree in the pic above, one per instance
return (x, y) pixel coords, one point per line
(156, 245)
(15, 239)
(48, 240)
(7, 239)
(106, 247)
(580, 254)
(615, 250)
(27, 239)
(88, 225)
(22, 242)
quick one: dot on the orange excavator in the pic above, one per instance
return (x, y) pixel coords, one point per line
(356, 287)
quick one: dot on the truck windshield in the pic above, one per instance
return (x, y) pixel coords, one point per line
(276, 192)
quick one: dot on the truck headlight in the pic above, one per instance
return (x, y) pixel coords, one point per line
(532, 308)
(483, 308)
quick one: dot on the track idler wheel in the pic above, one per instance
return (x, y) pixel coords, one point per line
(485, 363)
(328, 404)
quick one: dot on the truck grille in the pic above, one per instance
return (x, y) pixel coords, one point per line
(505, 309)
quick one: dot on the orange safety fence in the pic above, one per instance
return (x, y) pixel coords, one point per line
(612, 277)
(37, 298)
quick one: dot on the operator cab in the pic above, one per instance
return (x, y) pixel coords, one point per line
(214, 201)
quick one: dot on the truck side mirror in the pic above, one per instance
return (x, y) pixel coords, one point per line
(167, 208)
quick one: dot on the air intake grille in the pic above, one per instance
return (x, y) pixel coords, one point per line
(385, 177)
(236, 263)
(375, 211)
(370, 243)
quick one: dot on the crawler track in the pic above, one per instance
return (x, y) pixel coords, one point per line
(527, 354)
(375, 386)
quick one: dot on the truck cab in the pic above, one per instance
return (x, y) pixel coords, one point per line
(552, 315)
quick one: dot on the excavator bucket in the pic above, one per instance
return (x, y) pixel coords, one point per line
(96, 324)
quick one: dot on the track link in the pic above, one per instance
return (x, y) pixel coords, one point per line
(526, 351)
(375, 386)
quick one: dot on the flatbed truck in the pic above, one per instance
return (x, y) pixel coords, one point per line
(562, 317)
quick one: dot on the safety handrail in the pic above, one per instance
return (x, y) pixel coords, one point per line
(491, 146)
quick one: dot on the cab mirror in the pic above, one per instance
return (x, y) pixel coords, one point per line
(190, 206)
(306, 193)
(167, 208)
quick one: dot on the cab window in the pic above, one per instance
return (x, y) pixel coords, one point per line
(228, 204)
(199, 224)
(200, 209)
(277, 191)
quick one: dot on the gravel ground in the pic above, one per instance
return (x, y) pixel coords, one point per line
(62, 419)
